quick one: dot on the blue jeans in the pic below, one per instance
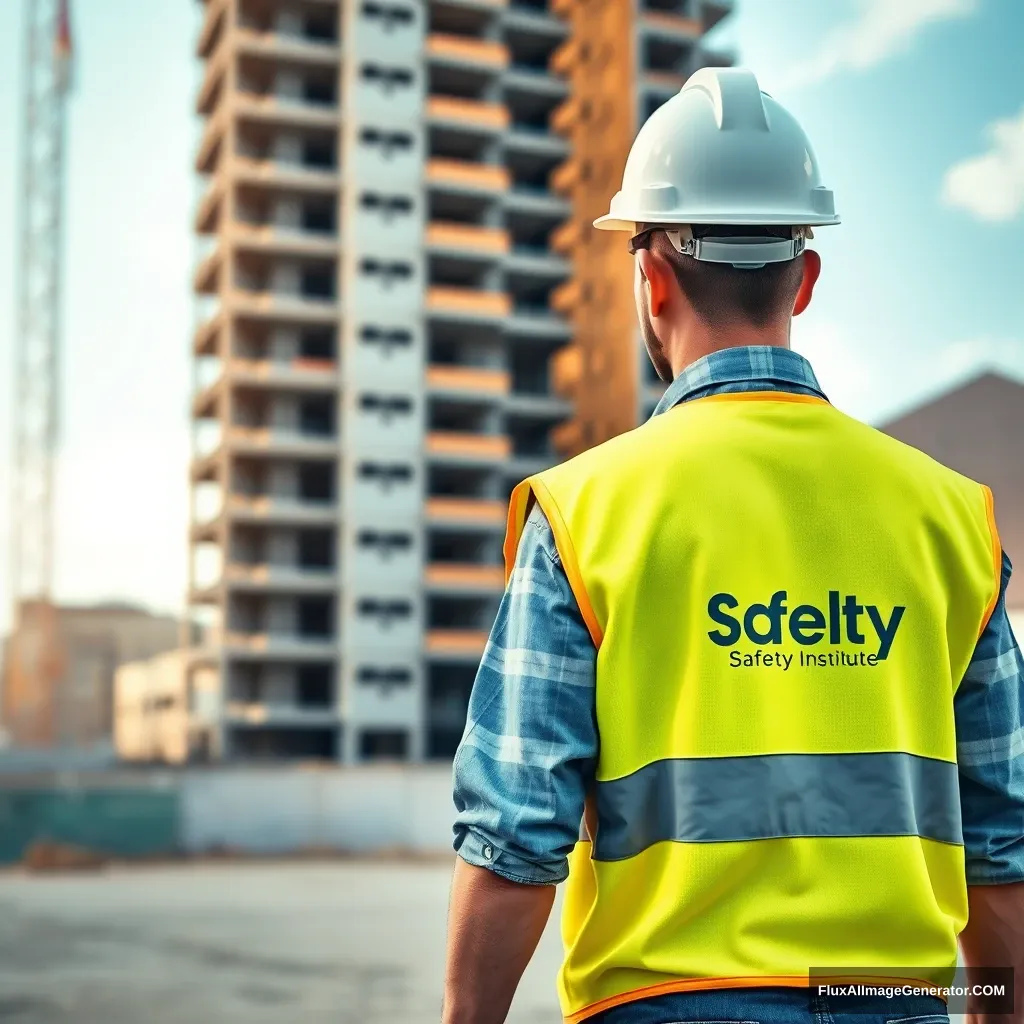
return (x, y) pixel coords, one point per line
(774, 1005)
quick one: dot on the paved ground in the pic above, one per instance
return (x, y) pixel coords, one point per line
(225, 943)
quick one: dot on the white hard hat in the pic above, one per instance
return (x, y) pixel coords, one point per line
(721, 151)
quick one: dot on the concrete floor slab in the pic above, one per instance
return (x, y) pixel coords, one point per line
(238, 943)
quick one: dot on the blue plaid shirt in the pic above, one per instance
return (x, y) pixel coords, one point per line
(530, 744)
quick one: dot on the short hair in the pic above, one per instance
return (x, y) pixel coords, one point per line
(721, 293)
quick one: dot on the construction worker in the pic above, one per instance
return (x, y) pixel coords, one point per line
(759, 649)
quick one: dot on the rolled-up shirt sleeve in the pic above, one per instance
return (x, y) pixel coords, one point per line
(529, 747)
(989, 711)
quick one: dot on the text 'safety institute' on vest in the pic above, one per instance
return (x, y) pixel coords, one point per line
(844, 621)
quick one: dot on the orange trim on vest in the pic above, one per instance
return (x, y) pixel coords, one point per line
(760, 396)
(517, 504)
(568, 555)
(703, 984)
(997, 556)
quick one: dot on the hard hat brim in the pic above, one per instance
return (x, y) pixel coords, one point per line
(614, 222)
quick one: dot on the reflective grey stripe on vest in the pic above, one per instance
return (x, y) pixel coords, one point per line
(773, 796)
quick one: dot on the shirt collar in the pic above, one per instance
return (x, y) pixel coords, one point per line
(778, 369)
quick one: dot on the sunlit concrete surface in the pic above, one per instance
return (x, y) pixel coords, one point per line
(234, 942)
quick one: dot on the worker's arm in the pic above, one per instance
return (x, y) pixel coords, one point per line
(494, 927)
(520, 777)
(994, 937)
(989, 709)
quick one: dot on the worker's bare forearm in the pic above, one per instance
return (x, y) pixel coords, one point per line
(494, 926)
(994, 937)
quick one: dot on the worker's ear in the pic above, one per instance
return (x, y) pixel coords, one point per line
(812, 268)
(658, 278)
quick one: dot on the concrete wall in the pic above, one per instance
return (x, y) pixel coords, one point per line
(358, 809)
(276, 810)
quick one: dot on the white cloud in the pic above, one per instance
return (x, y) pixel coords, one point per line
(991, 186)
(879, 29)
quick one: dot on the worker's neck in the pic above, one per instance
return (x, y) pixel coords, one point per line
(698, 342)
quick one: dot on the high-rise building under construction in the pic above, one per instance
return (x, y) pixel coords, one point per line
(403, 311)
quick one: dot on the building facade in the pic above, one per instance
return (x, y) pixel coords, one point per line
(59, 667)
(395, 245)
(151, 710)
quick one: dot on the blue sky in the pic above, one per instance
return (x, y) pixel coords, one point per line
(916, 109)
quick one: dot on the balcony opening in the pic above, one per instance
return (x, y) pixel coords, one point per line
(315, 617)
(280, 743)
(316, 481)
(246, 615)
(458, 482)
(320, 28)
(318, 153)
(317, 343)
(448, 144)
(318, 216)
(246, 684)
(464, 84)
(530, 111)
(384, 744)
(459, 20)
(531, 50)
(456, 208)
(530, 375)
(452, 271)
(321, 91)
(533, 169)
(532, 235)
(665, 56)
(316, 416)
(457, 418)
(316, 549)
(530, 439)
(463, 549)
(682, 8)
(314, 685)
(533, 299)
(317, 284)
(445, 353)
(650, 105)
(448, 690)
(470, 613)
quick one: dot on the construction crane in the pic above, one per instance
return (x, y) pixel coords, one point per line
(33, 660)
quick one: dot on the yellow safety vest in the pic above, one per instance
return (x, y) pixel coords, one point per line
(784, 601)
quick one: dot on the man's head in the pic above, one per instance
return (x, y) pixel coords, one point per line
(689, 307)
(718, 154)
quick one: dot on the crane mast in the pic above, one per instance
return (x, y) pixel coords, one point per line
(32, 661)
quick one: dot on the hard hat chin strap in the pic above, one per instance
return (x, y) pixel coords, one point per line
(742, 252)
